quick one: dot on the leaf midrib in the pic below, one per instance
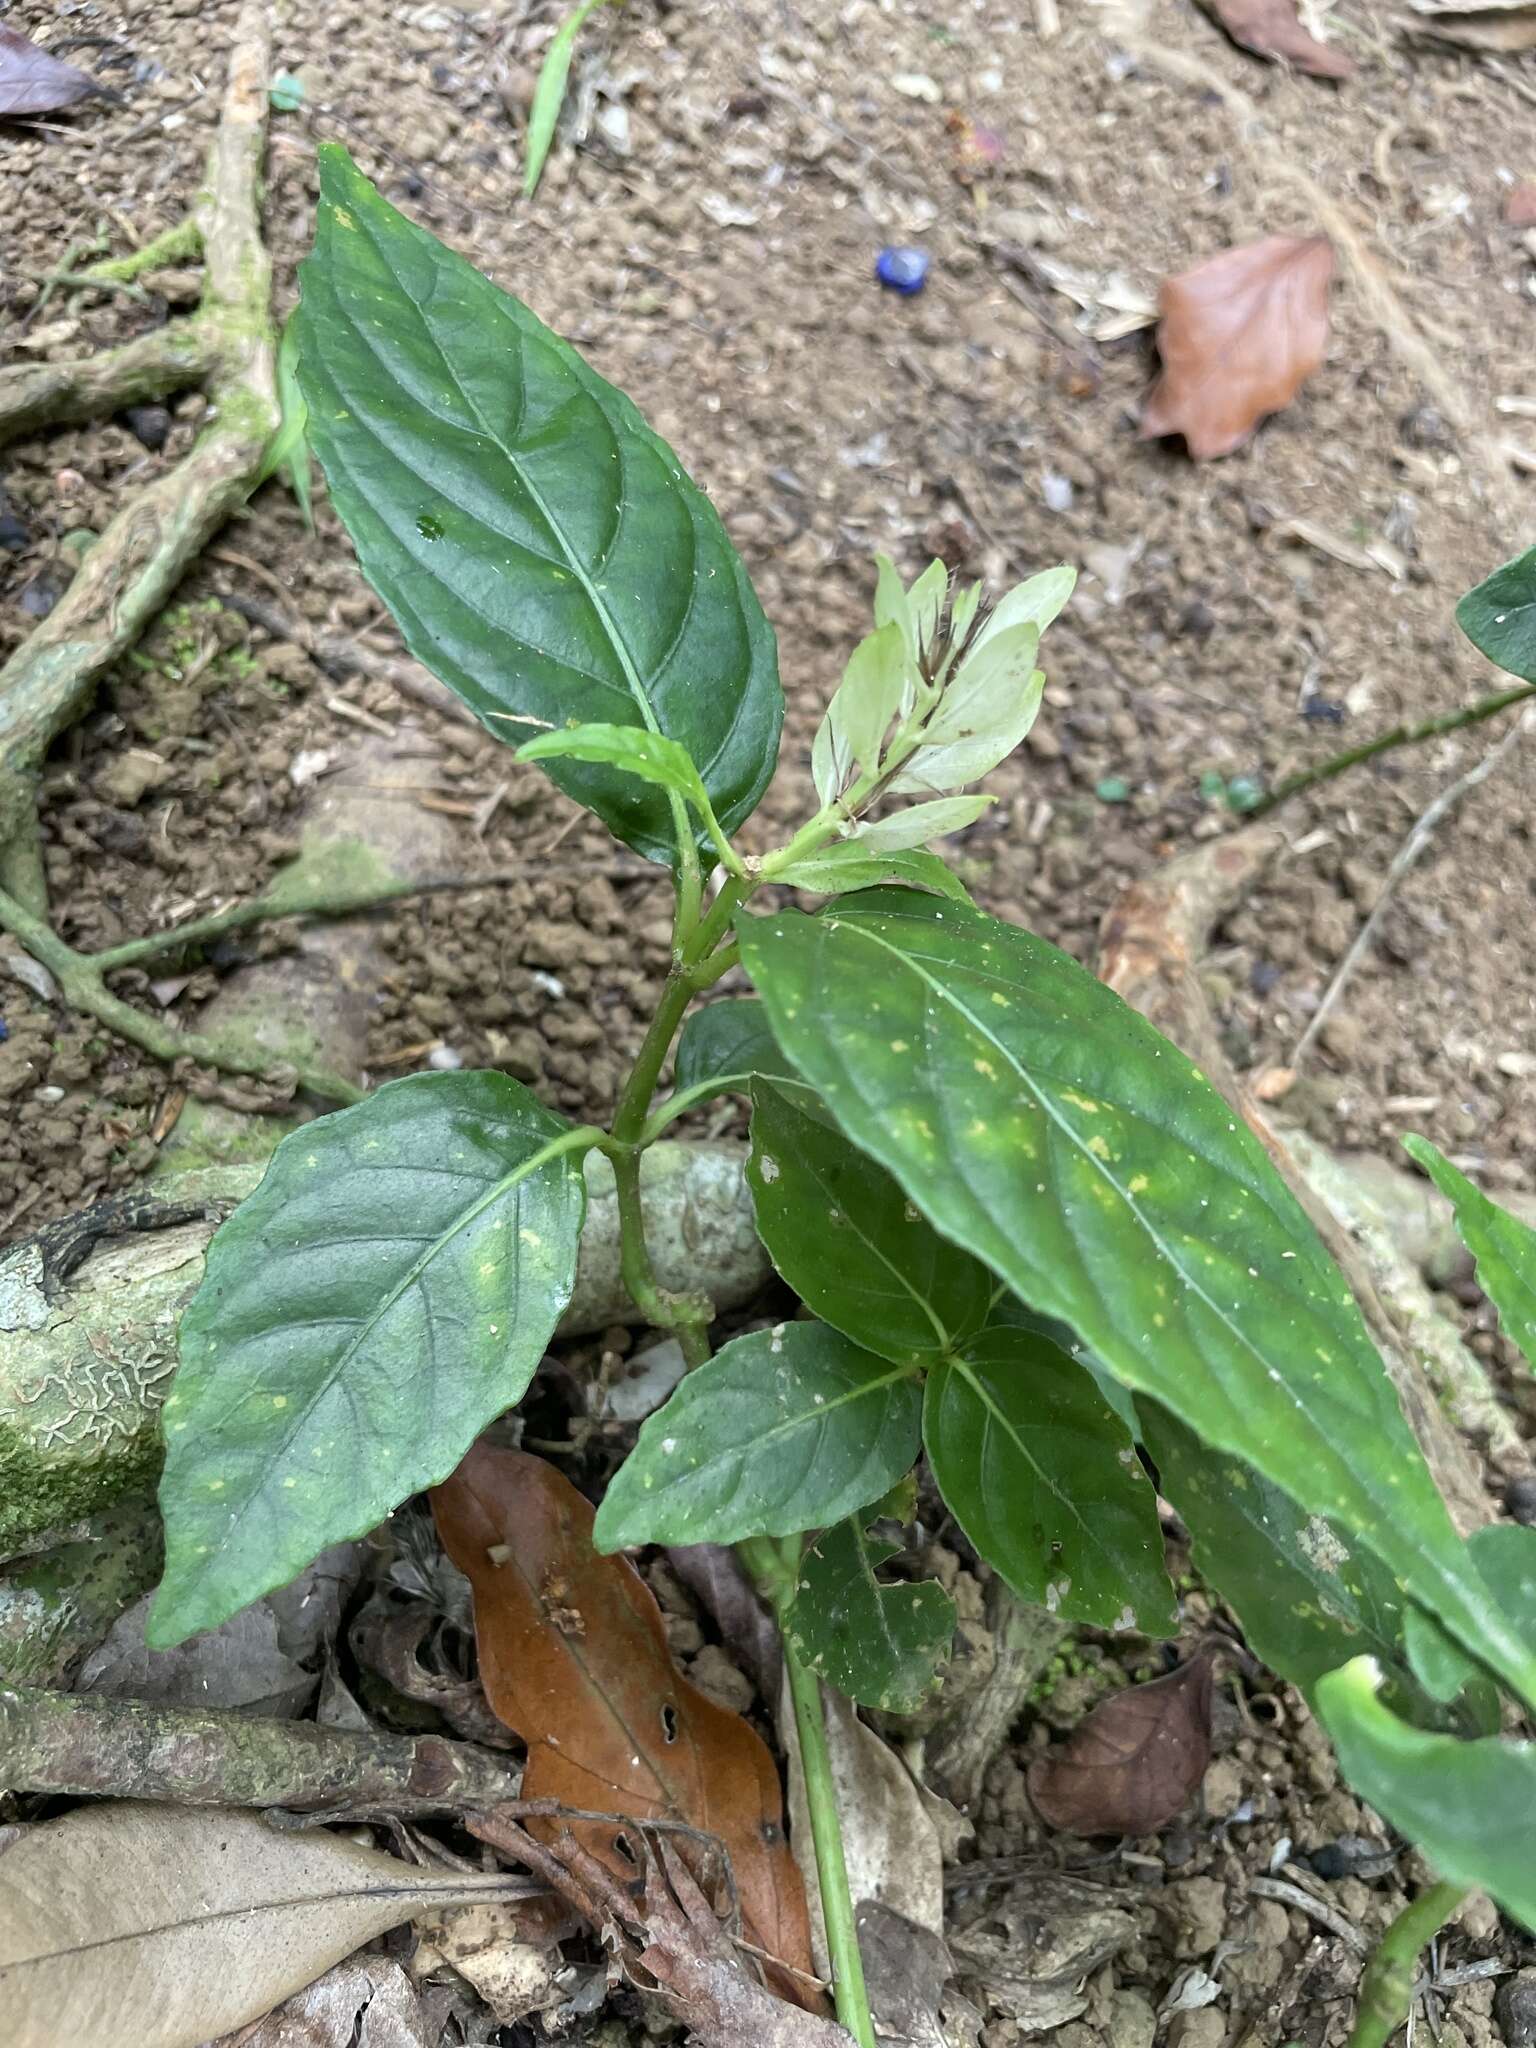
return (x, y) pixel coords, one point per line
(554, 1148)
(555, 531)
(1044, 1102)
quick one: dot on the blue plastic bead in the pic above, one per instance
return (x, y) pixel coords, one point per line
(5, 1031)
(902, 270)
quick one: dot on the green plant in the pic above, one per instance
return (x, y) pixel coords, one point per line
(549, 92)
(1028, 1234)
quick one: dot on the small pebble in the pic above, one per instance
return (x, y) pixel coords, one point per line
(902, 270)
(1114, 789)
(148, 424)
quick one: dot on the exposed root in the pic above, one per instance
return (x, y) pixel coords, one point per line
(227, 346)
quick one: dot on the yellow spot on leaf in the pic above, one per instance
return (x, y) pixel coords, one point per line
(1137, 1184)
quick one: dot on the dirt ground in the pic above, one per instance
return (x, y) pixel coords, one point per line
(710, 247)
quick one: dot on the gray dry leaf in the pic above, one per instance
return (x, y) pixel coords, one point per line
(1034, 1944)
(263, 1660)
(368, 2002)
(167, 1926)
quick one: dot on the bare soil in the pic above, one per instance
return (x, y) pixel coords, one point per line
(710, 246)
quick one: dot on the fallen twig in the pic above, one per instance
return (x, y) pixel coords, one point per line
(228, 347)
(1410, 850)
(87, 1746)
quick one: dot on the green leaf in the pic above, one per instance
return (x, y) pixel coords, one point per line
(549, 93)
(724, 1045)
(880, 1644)
(851, 1245)
(985, 711)
(628, 748)
(783, 1430)
(1045, 1481)
(866, 700)
(1308, 1594)
(847, 864)
(918, 824)
(540, 547)
(1505, 1554)
(1499, 616)
(288, 449)
(389, 1288)
(1468, 1805)
(1036, 602)
(1042, 1124)
(1503, 1247)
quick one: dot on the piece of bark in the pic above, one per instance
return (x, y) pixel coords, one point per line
(91, 1747)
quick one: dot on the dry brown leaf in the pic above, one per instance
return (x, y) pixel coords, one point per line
(665, 1937)
(1132, 1763)
(1240, 334)
(1270, 28)
(574, 1658)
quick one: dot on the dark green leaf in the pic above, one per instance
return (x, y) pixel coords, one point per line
(1499, 616)
(1505, 1554)
(1045, 1126)
(1468, 1805)
(847, 864)
(387, 1290)
(1309, 1597)
(540, 547)
(880, 1644)
(851, 1245)
(783, 1430)
(1503, 1247)
(726, 1045)
(1046, 1483)
(1010, 1313)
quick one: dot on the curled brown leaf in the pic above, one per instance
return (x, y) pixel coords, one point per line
(1129, 1766)
(574, 1658)
(1239, 336)
(1271, 28)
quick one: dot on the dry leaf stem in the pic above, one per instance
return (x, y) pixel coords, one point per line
(89, 1747)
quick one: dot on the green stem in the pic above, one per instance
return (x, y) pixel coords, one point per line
(701, 955)
(1399, 736)
(1386, 1989)
(848, 1988)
